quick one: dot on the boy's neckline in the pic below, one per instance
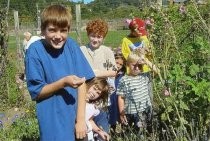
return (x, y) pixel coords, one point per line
(92, 48)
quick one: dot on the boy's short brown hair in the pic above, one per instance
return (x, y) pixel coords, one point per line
(98, 27)
(57, 15)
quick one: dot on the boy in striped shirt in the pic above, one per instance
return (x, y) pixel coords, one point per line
(133, 92)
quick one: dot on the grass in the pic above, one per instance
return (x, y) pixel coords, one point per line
(12, 44)
(113, 38)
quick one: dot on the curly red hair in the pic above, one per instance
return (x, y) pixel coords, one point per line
(97, 27)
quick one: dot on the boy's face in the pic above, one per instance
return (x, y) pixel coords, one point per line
(95, 40)
(93, 93)
(56, 36)
(134, 68)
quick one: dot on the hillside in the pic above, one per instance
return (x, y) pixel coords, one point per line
(28, 10)
(111, 8)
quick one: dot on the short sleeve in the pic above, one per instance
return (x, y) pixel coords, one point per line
(34, 72)
(121, 88)
(125, 48)
(82, 67)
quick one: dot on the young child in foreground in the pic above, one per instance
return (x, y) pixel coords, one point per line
(133, 92)
(97, 93)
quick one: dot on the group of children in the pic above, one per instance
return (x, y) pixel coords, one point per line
(83, 92)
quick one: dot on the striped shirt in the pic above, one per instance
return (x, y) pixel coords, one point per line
(135, 90)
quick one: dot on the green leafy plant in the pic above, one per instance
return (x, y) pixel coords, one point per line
(24, 128)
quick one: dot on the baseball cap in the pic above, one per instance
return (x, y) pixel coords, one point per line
(138, 25)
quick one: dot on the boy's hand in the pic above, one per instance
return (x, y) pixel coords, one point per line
(147, 50)
(81, 130)
(123, 118)
(141, 50)
(73, 81)
(104, 135)
(142, 60)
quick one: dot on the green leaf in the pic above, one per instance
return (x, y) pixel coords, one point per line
(184, 106)
(194, 69)
(163, 117)
(182, 120)
(169, 109)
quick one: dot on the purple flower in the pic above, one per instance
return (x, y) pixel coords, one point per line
(149, 21)
(1, 124)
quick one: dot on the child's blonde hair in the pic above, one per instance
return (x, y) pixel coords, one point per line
(57, 15)
(132, 57)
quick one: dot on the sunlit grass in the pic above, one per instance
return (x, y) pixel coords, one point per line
(113, 38)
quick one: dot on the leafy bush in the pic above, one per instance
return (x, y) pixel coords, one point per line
(181, 49)
(24, 128)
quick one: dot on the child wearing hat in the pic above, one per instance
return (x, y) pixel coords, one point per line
(136, 40)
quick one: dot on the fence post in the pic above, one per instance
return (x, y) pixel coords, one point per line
(38, 18)
(78, 23)
(19, 50)
(8, 2)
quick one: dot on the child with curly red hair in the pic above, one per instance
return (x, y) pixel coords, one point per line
(101, 59)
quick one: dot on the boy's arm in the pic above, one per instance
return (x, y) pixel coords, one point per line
(98, 130)
(80, 119)
(121, 105)
(144, 60)
(105, 73)
(49, 89)
(125, 48)
(152, 66)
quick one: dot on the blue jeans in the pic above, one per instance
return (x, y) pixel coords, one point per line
(101, 120)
